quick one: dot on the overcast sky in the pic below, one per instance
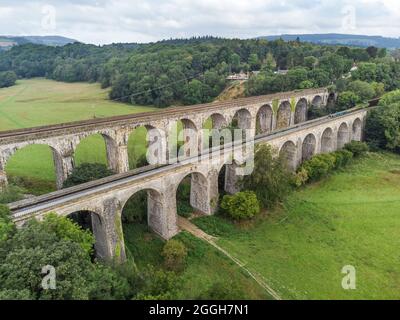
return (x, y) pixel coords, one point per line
(107, 21)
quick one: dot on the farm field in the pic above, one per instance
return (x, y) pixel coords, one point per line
(205, 267)
(350, 218)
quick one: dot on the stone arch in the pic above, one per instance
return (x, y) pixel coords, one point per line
(343, 135)
(217, 121)
(91, 220)
(145, 206)
(97, 148)
(288, 152)
(47, 165)
(357, 130)
(300, 114)
(243, 118)
(264, 119)
(283, 115)
(189, 136)
(228, 179)
(317, 101)
(331, 99)
(309, 147)
(327, 141)
(200, 196)
(137, 146)
(213, 126)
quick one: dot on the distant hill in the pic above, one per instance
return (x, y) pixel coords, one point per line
(341, 39)
(6, 42)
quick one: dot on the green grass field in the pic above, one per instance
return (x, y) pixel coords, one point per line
(205, 265)
(38, 102)
(351, 218)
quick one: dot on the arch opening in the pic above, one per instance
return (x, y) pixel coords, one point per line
(288, 153)
(214, 125)
(327, 141)
(264, 120)
(309, 147)
(92, 222)
(92, 149)
(228, 179)
(283, 115)
(37, 168)
(192, 195)
(343, 136)
(141, 215)
(137, 147)
(301, 111)
(331, 101)
(317, 102)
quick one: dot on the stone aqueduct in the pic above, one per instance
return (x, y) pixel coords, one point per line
(105, 199)
(267, 113)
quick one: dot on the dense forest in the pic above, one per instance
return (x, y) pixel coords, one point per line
(191, 71)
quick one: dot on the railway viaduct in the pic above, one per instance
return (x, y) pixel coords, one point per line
(261, 114)
(105, 199)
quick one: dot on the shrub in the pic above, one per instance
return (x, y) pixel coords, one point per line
(301, 177)
(357, 148)
(7, 79)
(347, 156)
(174, 253)
(243, 205)
(7, 227)
(320, 165)
(347, 100)
(11, 194)
(316, 168)
(87, 172)
(270, 180)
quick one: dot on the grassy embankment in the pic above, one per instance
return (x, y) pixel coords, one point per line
(351, 218)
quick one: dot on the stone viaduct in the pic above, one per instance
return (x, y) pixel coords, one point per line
(105, 199)
(262, 114)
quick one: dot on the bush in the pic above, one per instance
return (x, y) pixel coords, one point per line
(347, 156)
(11, 194)
(270, 180)
(357, 148)
(347, 100)
(364, 90)
(243, 205)
(316, 168)
(301, 177)
(7, 227)
(158, 285)
(174, 253)
(87, 172)
(7, 79)
(320, 165)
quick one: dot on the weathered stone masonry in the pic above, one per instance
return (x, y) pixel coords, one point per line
(264, 114)
(106, 199)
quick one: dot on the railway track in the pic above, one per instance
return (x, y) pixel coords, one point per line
(154, 169)
(155, 115)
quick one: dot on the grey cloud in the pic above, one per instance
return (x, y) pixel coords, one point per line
(106, 21)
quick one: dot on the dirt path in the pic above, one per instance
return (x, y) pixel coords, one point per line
(186, 225)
